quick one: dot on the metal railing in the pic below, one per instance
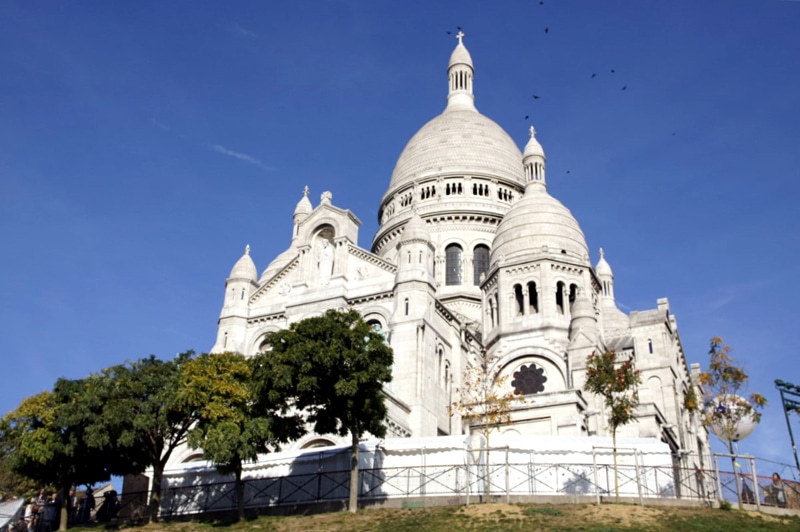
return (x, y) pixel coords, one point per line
(463, 482)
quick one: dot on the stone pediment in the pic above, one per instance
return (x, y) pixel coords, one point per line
(279, 284)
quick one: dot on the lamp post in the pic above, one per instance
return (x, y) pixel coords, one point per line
(790, 403)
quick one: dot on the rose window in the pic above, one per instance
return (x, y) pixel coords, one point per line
(529, 380)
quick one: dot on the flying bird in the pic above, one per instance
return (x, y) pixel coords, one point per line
(594, 76)
(569, 172)
(547, 30)
(535, 97)
(541, 3)
(625, 87)
(528, 116)
(612, 70)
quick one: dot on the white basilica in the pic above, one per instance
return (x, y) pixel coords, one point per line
(474, 262)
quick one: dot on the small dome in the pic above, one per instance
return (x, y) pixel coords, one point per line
(278, 263)
(603, 268)
(460, 56)
(244, 268)
(415, 229)
(535, 221)
(304, 205)
(533, 148)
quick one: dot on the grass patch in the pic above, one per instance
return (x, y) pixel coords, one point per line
(543, 510)
(496, 517)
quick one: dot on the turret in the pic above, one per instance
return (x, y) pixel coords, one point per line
(533, 159)
(241, 282)
(613, 318)
(460, 73)
(415, 252)
(301, 212)
(583, 317)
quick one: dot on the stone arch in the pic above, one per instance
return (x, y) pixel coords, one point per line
(374, 312)
(317, 441)
(312, 230)
(257, 337)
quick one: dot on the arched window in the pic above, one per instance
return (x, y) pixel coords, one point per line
(491, 311)
(480, 262)
(453, 264)
(650, 346)
(533, 298)
(406, 306)
(497, 306)
(520, 299)
(264, 346)
(442, 378)
(560, 297)
(242, 297)
(225, 341)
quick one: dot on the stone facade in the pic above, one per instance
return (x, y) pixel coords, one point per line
(474, 262)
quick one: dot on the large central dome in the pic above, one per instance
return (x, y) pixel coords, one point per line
(459, 141)
(460, 173)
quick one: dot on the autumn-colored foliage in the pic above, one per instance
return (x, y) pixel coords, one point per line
(724, 386)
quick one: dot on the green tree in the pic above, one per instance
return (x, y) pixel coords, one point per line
(13, 484)
(332, 368)
(230, 429)
(616, 382)
(46, 439)
(725, 400)
(144, 417)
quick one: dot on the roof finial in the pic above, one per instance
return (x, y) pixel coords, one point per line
(602, 253)
(533, 131)
(247, 249)
(459, 36)
(305, 191)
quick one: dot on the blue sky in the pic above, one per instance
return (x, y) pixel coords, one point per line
(144, 144)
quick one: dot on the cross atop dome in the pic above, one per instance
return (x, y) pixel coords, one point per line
(305, 191)
(533, 131)
(247, 249)
(460, 36)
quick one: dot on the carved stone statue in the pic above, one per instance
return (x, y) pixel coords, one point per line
(325, 262)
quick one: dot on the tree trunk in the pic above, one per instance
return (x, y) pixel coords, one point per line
(735, 475)
(487, 486)
(155, 491)
(353, 504)
(239, 492)
(62, 525)
(616, 473)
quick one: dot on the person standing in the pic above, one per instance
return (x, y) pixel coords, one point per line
(778, 491)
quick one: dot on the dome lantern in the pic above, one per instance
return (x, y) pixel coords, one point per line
(533, 158)
(460, 73)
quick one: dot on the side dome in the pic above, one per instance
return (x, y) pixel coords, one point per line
(244, 268)
(535, 221)
(278, 263)
(459, 141)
